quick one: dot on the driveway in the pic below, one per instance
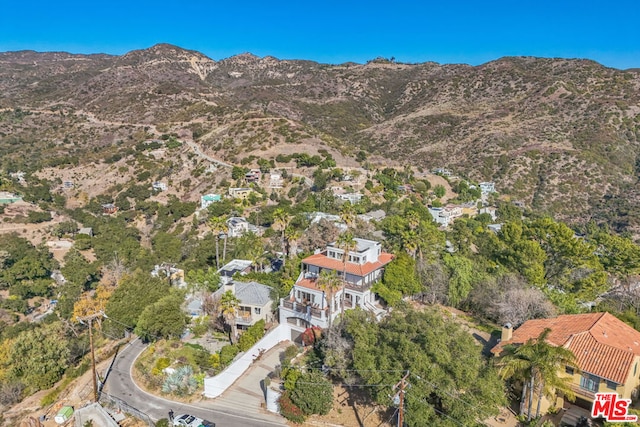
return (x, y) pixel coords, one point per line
(238, 406)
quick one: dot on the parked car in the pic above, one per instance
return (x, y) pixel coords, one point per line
(186, 420)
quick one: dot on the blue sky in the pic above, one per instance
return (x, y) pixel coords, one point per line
(447, 31)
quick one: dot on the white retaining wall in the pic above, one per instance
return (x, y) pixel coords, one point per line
(215, 386)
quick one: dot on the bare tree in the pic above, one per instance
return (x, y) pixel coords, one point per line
(520, 302)
(434, 280)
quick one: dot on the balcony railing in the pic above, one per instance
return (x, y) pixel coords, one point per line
(582, 392)
(304, 309)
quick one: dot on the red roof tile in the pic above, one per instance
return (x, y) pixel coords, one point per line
(603, 345)
(323, 261)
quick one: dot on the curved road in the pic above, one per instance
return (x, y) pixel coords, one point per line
(223, 412)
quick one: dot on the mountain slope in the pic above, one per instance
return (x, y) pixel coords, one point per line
(562, 135)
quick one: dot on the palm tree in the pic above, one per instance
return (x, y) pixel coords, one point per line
(281, 220)
(348, 214)
(538, 364)
(329, 282)
(292, 236)
(229, 309)
(410, 242)
(347, 243)
(218, 225)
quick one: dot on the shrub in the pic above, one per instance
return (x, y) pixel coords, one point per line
(289, 410)
(227, 353)
(161, 364)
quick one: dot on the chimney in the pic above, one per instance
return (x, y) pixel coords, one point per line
(507, 332)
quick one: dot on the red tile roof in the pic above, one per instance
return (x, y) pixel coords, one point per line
(603, 345)
(323, 261)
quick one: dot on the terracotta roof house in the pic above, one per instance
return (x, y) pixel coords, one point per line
(308, 305)
(607, 351)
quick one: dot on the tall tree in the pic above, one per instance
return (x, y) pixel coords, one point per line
(540, 365)
(229, 309)
(329, 282)
(218, 226)
(348, 214)
(292, 236)
(347, 243)
(460, 277)
(281, 221)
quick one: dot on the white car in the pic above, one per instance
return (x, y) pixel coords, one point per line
(187, 420)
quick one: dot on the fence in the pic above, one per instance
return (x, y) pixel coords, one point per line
(121, 405)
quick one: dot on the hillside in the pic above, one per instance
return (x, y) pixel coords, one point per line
(560, 135)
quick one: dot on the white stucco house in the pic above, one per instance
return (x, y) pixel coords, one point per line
(308, 305)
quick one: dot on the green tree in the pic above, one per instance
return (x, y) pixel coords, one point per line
(162, 319)
(218, 226)
(167, 247)
(313, 393)
(347, 243)
(281, 220)
(399, 279)
(78, 270)
(329, 282)
(539, 365)
(460, 277)
(229, 309)
(130, 298)
(203, 280)
(439, 191)
(40, 356)
(449, 377)
(571, 265)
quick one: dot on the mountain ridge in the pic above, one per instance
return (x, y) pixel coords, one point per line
(560, 134)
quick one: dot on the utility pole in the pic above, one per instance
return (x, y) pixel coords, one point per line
(89, 319)
(401, 386)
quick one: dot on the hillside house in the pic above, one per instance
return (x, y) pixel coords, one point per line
(445, 215)
(86, 230)
(109, 208)
(174, 275)
(19, 176)
(607, 352)
(255, 301)
(252, 176)
(239, 192)
(353, 198)
(487, 187)
(207, 199)
(237, 226)
(308, 305)
(236, 266)
(7, 198)
(159, 186)
(491, 210)
(275, 180)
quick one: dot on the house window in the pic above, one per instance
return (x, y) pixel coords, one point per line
(568, 370)
(589, 382)
(256, 310)
(308, 297)
(611, 385)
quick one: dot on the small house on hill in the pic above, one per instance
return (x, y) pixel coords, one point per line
(255, 301)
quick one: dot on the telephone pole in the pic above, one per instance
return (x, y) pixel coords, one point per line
(400, 394)
(89, 319)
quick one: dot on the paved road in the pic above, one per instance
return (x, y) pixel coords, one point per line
(238, 406)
